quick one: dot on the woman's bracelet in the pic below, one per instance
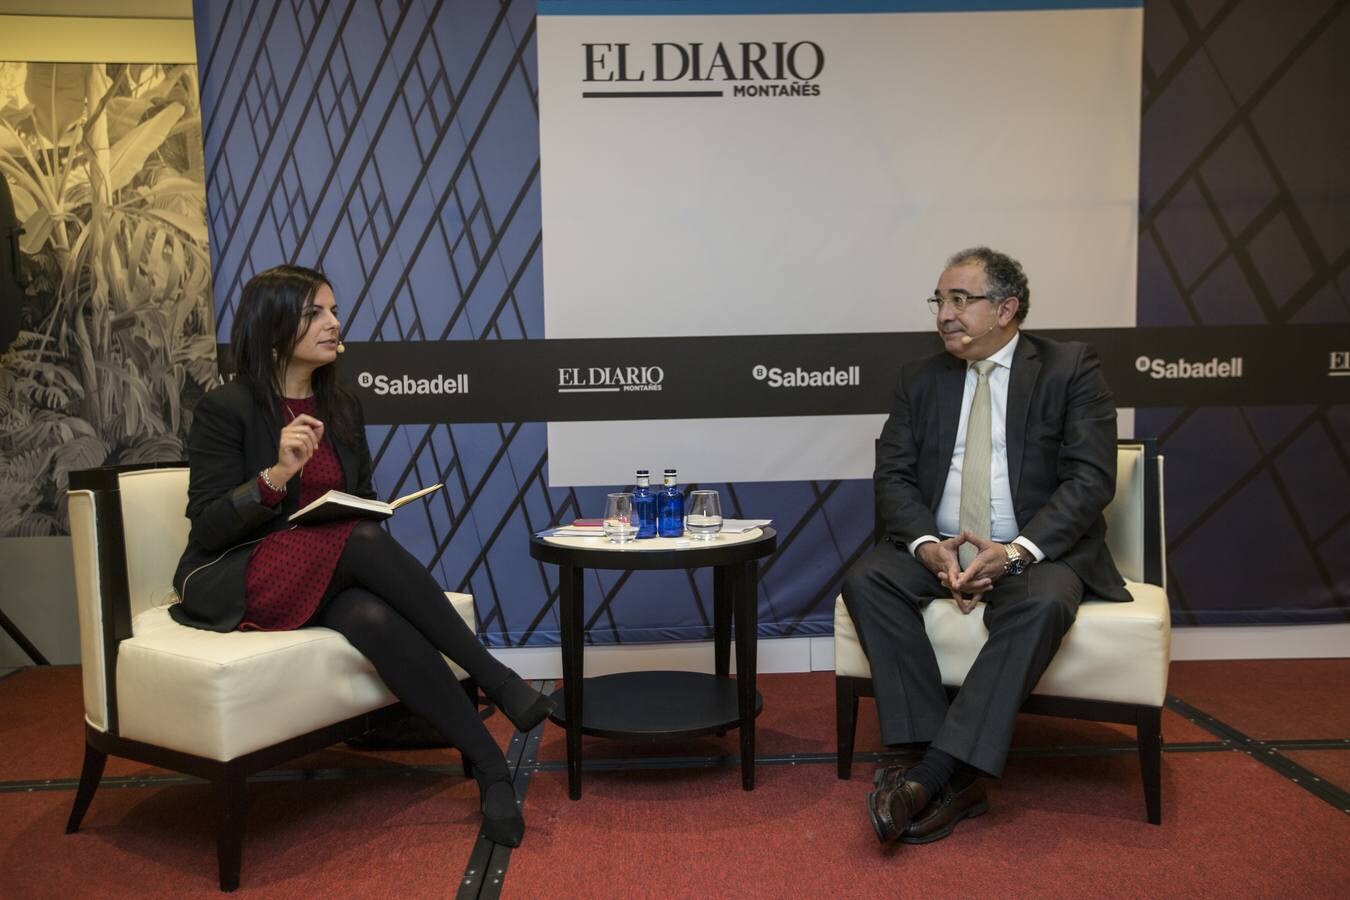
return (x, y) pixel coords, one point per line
(270, 486)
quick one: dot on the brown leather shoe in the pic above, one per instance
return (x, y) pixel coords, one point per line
(891, 775)
(892, 809)
(950, 807)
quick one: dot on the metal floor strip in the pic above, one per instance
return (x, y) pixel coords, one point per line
(272, 775)
(485, 872)
(1268, 753)
(526, 768)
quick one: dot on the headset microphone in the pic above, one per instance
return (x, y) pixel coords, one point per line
(341, 347)
(967, 339)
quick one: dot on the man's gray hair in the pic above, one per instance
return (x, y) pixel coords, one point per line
(1004, 277)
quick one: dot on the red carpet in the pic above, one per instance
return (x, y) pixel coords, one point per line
(1329, 765)
(1270, 699)
(1066, 820)
(1071, 828)
(361, 838)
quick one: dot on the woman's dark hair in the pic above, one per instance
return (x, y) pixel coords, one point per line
(267, 324)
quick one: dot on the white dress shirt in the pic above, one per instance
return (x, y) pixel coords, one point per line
(1005, 528)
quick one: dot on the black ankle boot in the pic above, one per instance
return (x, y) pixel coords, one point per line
(523, 705)
(502, 821)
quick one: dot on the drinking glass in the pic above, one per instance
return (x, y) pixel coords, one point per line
(620, 523)
(703, 515)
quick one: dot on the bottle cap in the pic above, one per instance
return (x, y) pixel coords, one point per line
(642, 472)
(670, 471)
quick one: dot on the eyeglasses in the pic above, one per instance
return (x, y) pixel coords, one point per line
(959, 302)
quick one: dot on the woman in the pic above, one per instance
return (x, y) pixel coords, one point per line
(278, 436)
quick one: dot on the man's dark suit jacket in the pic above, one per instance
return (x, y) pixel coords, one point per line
(232, 439)
(1061, 431)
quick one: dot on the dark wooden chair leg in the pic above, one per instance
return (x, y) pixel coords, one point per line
(471, 688)
(90, 775)
(231, 803)
(846, 722)
(1149, 734)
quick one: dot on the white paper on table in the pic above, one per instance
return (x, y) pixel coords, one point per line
(571, 531)
(740, 526)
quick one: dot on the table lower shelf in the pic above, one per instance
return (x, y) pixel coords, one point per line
(655, 705)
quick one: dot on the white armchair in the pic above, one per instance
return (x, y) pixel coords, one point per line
(217, 706)
(1112, 664)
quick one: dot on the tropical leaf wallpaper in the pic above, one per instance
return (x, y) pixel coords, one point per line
(115, 337)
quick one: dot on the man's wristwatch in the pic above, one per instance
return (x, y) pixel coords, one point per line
(1016, 563)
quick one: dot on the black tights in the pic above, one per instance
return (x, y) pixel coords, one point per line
(390, 608)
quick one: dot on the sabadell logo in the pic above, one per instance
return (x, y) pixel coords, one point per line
(397, 385)
(1175, 369)
(775, 377)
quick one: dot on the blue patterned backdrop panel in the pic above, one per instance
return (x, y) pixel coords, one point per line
(1246, 220)
(395, 145)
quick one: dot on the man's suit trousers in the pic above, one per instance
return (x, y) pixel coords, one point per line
(1026, 615)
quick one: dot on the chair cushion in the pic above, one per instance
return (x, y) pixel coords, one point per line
(225, 695)
(1114, 651)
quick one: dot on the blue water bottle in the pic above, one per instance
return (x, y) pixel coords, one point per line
(670, 508)
(644, 505)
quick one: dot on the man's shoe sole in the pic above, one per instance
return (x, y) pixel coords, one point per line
(877, 825)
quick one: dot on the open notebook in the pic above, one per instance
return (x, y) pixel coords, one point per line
(341, 505)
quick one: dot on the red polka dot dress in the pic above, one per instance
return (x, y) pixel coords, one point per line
(289, 571)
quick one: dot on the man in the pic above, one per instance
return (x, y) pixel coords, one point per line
(992, 473)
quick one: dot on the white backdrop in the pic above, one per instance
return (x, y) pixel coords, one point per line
(828, 214)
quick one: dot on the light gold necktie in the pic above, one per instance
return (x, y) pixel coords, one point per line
(975, 466)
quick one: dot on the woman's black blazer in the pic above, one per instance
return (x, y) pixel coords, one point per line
(232, 439)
